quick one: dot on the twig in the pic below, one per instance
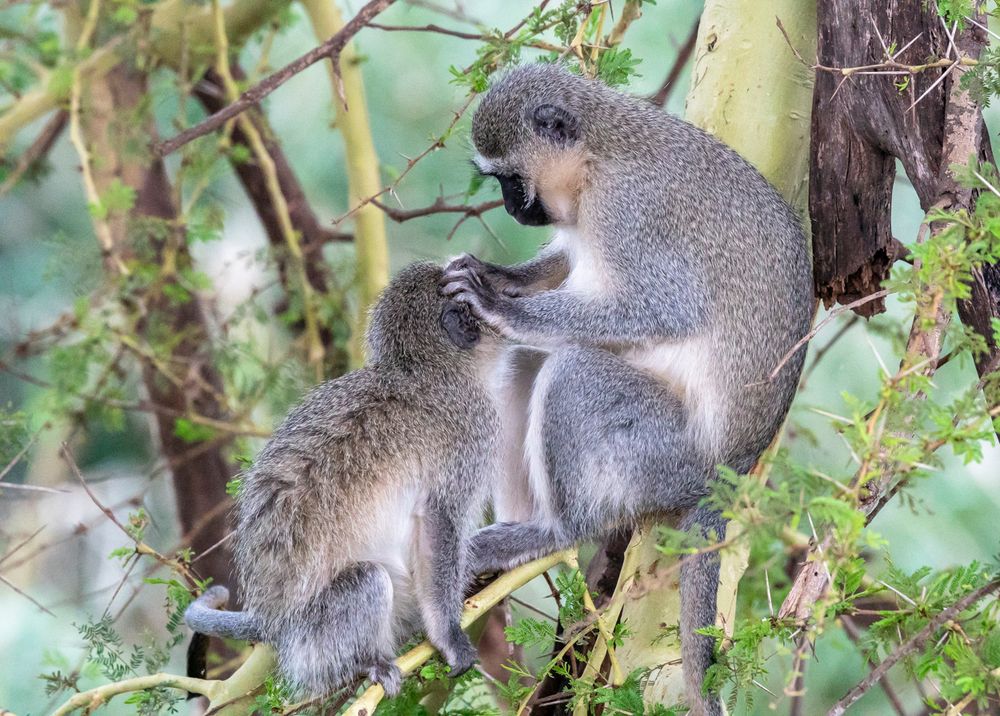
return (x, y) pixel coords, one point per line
(140, 546)
(911, 645)
(410, 163)
(851, 629)
(21, 544)
(440, 206)
(631, 11)
(25, 595)
(836, 311)
(20, 455)
(330, 49)
(38, 149)
(428, 28)
(659, 98)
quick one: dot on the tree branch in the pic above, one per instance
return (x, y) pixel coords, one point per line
(659, 98)
(440, 206)
(911, 645)
(38, 149)
(330, 49)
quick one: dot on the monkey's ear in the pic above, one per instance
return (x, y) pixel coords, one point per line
(555, 123)
(460, 325)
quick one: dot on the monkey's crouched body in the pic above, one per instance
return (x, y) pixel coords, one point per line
(676, 281)
(352, 526)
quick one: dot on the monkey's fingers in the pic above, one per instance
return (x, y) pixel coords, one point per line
(465, 261)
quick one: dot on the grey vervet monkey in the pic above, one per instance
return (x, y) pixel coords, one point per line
(352, 526)
(676, 281)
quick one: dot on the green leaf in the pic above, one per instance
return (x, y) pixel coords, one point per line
(192, 432)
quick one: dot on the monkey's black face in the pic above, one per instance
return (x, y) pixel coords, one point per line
(512, 188)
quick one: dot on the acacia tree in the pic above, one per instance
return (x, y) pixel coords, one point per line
(891, 84)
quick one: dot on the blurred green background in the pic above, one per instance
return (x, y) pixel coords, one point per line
(49, 257)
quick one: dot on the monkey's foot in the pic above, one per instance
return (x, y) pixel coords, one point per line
(387, 675)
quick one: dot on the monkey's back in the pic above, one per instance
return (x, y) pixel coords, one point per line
(695, 202)
(357, 450)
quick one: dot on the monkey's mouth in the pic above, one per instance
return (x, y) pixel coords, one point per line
(515, 201)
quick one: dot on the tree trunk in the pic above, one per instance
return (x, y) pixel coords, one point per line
(114, 115)
(861, 127)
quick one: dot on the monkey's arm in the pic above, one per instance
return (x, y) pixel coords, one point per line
(441, 576)
(544, 272)
(664, 310)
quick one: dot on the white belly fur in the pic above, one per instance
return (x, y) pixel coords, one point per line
(391, 543)
(586, 274)
(686, 367)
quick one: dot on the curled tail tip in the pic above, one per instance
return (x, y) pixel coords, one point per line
(211, 599)
(214, 597)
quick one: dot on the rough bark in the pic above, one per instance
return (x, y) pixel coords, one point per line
(861, 126)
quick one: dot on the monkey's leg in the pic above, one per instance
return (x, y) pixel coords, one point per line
(614, 443)
(513, 499)
(341, 633)
(441, 573)
(617, 448)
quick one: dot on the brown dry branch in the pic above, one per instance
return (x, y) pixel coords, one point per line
(141, 547)
(330, 49)
(52, 130)
(440, 206)
(912, 645)
(479, 37)
(854, 634)
(659, 98)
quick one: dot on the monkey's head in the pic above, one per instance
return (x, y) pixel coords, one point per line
(529, 132)
(412, 323)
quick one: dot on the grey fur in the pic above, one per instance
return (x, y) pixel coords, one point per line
(680, 277)
(353, 525)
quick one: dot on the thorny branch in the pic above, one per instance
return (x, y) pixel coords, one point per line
(911, 645)
(962, 137)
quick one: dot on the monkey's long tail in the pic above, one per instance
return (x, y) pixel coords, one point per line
(699, 587)
(205, 617)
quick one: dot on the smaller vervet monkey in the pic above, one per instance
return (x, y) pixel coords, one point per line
(353, 525)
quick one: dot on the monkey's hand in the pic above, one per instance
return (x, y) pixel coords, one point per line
(503, 280)
(480, 295)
